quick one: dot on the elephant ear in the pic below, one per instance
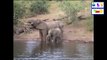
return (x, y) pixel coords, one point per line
(42, 25)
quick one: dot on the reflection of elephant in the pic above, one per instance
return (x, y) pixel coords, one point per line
(41, 26)
(55, 35)
(45, 47)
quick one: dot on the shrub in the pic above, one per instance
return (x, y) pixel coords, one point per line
(71, 8)
(18, 11)
(28, 8)
(39, 7)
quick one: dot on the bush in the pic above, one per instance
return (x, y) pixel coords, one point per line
(39, 7)
(71, 8)
(18, 11)
(29, 8)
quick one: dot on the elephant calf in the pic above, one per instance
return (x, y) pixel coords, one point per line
(55, 24)
(55, 35)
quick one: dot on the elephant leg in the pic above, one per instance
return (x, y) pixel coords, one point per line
(48, 38)
(61, 31)
(44, 33)
(58, 39)
(41, 35)
(54, 38)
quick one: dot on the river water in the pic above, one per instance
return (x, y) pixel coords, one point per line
(36, 50)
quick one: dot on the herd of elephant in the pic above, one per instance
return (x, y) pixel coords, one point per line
(48, 31)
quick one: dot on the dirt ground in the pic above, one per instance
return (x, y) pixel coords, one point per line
(70, 33)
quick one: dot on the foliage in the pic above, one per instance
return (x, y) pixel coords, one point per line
(29, 8)
(71, 8)
(18, 11)
(39, 7)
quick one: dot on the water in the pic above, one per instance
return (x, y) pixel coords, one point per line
(36, 50)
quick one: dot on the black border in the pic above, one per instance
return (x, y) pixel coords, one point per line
(6, 19)
(100, 34)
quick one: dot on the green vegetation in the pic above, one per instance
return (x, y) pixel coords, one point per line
(19, 11)
(29, 8)
(71, 8)
(39, 7)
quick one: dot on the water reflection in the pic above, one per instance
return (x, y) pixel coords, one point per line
(37, 49)
(84, 51)
(46, 49)
(70, 49)
(24, 48)
(78, 49)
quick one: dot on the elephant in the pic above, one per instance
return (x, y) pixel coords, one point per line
(55, 24)
(41, 26)
(55, 35)
(44, 27)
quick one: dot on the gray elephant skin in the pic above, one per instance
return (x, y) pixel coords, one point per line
(55, 24)
(44, 27)
(41, 26)
(54, 35)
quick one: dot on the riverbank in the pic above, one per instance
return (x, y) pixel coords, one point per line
(70, 34)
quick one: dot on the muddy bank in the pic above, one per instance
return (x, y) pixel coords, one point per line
(70, 34)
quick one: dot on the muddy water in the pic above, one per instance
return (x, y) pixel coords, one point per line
(36, 50)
